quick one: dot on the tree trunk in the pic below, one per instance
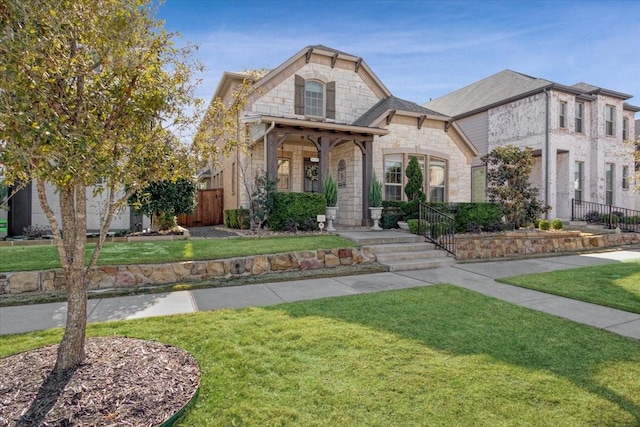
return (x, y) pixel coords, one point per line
(71, 349)
(73, 208)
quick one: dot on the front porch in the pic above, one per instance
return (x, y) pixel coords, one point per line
(300, 154)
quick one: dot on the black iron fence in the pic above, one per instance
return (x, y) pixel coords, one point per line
(438, 228)
(606, 215)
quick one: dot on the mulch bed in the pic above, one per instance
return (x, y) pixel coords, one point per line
(123, 382)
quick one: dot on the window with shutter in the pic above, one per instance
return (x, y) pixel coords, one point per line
(331, 100)
(299, 95)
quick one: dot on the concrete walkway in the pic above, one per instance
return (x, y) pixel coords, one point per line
(479, 277)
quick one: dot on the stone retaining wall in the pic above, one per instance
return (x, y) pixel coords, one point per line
(533, 242)
(105, 277)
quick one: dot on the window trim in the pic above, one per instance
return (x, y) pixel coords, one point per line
(610, 120)
(608, 184)
(562, 115)
(578, 180)
(579, 113)
(625, 177)
(288, 158)
(625, 128)
(425, 163)
(322, 109)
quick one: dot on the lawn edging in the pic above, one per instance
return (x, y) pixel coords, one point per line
(123, 276)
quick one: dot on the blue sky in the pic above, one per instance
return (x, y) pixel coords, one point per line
(421, 49)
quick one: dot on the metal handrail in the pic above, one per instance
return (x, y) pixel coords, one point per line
(607, 215)
(437, 227)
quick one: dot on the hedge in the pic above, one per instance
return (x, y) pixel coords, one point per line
(295, 207)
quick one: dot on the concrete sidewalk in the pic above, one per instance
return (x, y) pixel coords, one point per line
(479, 277)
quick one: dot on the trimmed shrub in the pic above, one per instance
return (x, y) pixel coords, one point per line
(556, 224)
(390, 220)
(413, 225)
(480, 214)
(298, 207)
(544, 224)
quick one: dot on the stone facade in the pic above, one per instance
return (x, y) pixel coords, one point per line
(122, 276)
(523, 243)
(364, 123)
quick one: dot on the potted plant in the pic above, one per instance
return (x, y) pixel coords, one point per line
(331, 197)
(375, 202)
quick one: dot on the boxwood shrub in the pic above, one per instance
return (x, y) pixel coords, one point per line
(482, 215)
(298, 207)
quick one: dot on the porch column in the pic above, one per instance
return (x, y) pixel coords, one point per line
(367, 172)
(272, 156)
(324, 170)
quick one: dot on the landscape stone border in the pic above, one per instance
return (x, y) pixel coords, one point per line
(121, 276)
(523, 243)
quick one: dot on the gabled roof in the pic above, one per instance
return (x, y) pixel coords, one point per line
(393, 103)
(507, 86)
(493, 89)
(359, 64)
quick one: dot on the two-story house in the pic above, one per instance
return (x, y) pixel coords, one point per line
(324, 112)
(580, 135)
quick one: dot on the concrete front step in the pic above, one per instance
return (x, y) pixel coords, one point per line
(368, 238)
(399, 250)
(419, 264)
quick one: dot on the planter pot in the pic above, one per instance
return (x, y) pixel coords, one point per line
(376, 214)
(403, 225)
(331, 216)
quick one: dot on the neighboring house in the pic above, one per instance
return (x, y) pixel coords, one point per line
(325, 112)
(25, 211)
(577, 134)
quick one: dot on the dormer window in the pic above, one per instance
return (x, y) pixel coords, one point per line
(314, 98)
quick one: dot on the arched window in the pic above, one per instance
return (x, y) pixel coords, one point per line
(313, 98)
(342, 173)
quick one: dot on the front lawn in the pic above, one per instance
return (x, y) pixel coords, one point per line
(614, 285)
(433, 356)
(24, 258)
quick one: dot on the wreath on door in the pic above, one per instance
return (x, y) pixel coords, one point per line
(312, 173)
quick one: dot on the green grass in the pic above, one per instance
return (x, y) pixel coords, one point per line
(614, 285)
(24, 258)
(433, 356)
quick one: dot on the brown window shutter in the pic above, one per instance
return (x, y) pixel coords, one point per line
(331, 100)
(299, 96)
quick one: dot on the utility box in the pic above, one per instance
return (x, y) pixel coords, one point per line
(3, 224)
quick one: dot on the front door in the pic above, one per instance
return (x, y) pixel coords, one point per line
(311, 173)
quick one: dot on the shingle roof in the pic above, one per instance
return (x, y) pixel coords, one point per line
(503, 85)
(392, 103)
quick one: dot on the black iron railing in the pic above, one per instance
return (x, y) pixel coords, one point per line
(438, 228)
(606, 215)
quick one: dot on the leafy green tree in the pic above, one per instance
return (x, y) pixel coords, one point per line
(508, 170)
(164, 200)
(415, 180)
(91, 93)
